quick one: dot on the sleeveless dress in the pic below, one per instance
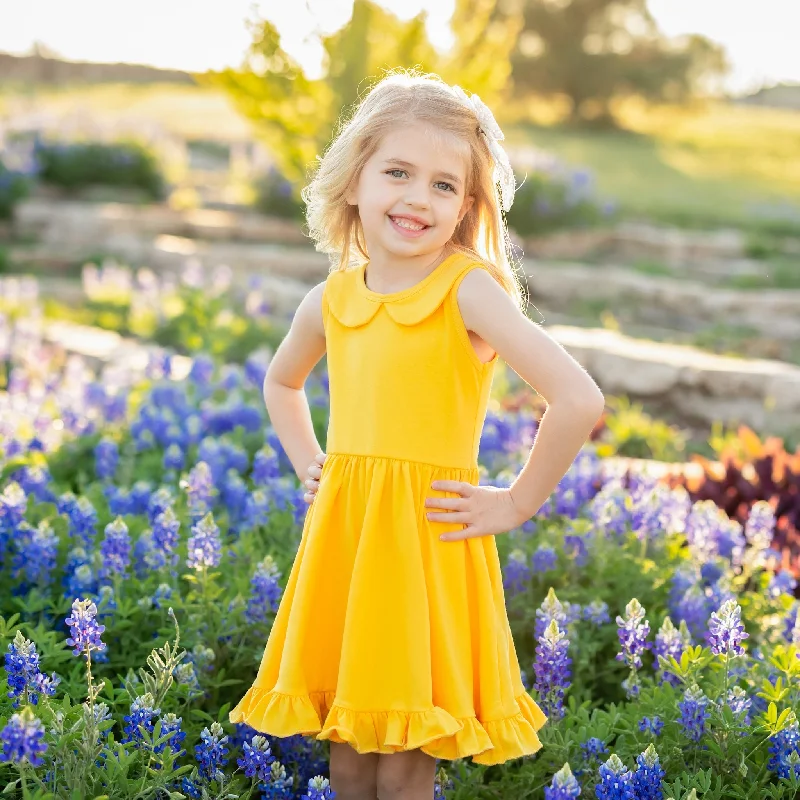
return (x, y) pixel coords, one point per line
(386, 637)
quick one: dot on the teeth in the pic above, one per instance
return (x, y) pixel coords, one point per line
(404, 223)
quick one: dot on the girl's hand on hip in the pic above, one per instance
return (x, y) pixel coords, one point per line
(485, 510)
(312, 481)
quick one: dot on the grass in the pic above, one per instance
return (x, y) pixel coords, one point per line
(707, 166)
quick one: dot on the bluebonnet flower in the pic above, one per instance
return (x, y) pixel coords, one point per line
(140, 496)
(784, 752)
(575, 548)
(106, 457)
(148, 557)
(13, 504)
(171, 724)
(36, 552)
(632, 631)
(726, 631)
(552, 668)
(84, 629)
(648, 775)
(551, 609)
(23, 674)
(266, 465)
(544, 559)
(234, 494)
(596, 612)
(694, 713)
(211, 753)
(160, 500)
(82, 520)
(593, 748)
(22, 739)
(200, 490)
(166, 527)
(174, 458)
(517, 573)
(115, 550)
(616, 782)
(564, 786)
(141, 718)
(319, 788)
(161, 595)
(739, 703)
(204, 545)
(202, 370)
(119, 499)
(265, 592)
(652, 725)
(670, 642)
(782, 582)
(256, 509)
(256, 758)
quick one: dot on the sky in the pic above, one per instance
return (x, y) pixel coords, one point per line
(191, 35)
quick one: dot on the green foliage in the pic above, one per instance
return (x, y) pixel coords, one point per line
(14, 186)
(76, 165)
(592, 53)
(629, 431)
(297, 116)
(275, 196)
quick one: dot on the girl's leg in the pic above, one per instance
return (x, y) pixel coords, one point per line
(353, 775)
(407, 775)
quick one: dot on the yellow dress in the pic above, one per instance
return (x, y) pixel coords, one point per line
(386, 637)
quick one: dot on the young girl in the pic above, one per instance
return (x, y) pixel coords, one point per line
(391, 639)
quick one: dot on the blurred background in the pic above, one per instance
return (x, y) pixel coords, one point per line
(152, 157)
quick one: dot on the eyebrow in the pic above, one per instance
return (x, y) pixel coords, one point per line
(448, 175)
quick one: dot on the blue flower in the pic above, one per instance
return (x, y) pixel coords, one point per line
(22, 739)
(652, 725)
(616, 782)
(544, 559)
(593, 748)
(633, 630)
(726, 630)
(517, 573)
(140, 719)
(785, 752)
(596, 612)
(319, 788)
(551, 609)
(564, 785)
(694, 713)
(211, 753)
(266, 592)
(256, 758)
(84, 629)
(200, 490)
(115, 550)
(204, 545)
(552, 668)
(648, 775)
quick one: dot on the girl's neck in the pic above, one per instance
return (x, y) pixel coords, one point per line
(397, 276)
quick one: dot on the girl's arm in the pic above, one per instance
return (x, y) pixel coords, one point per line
(574, 404)
(284, 395)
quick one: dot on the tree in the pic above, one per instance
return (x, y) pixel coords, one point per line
(594, 51)
(296, 116)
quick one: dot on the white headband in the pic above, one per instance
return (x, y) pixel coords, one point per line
(503, 174)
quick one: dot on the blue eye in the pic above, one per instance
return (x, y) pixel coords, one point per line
(450, 187)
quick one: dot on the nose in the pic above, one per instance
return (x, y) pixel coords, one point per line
(417, 195)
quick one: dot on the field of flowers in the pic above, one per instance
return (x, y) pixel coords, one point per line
(147, 526)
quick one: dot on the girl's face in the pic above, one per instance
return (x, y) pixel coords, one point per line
(410, 195)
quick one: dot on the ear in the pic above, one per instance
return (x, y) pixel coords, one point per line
(466, 206)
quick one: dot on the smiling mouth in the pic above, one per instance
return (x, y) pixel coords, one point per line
(407, 224)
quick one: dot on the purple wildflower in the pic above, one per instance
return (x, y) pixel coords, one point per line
(115, 550)
(616, 782)
(552, 668)
(106, 457)
(204, 545)
(22, 739)
(266, 592)
(694, 713)
(517, 573)
(256, 758)
(564, 785)
(596, 612)
(84, 629)
(211, 753)
(652, 725)
(648, 775)
(633, 630)
(726, 631)
(785, 752)
(140, 719)
(319, 788)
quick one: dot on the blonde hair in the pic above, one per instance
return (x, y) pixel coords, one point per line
(335, 225)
